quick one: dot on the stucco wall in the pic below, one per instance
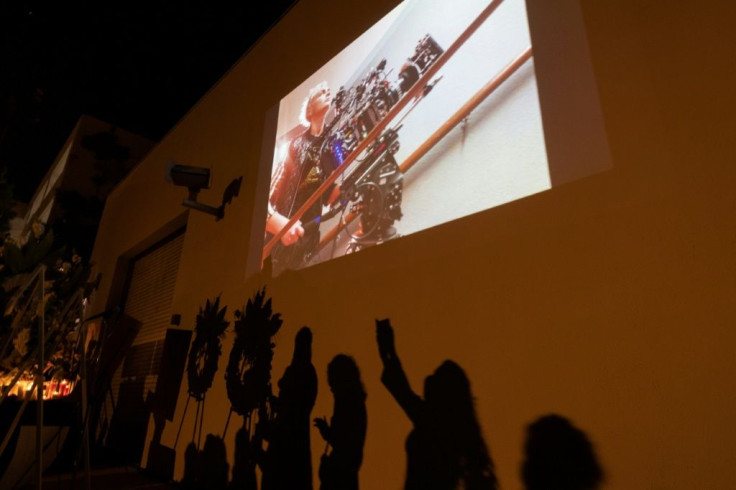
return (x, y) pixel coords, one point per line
(608, 299)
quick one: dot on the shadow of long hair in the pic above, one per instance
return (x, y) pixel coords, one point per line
(345, 433)
(559, 456)
(446, 446)
(453, 423)
(288, 462)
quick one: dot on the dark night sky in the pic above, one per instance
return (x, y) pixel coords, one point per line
(140, 67)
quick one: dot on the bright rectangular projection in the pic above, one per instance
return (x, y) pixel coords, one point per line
(431, 115)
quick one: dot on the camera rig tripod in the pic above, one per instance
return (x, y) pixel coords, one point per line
(372, 187)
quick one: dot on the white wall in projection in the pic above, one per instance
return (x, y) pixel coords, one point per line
(493, 155)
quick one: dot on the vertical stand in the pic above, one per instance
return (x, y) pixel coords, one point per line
(85, 407)
(39, 382)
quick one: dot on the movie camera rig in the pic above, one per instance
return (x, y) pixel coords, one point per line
(372, 186)
(417, 90)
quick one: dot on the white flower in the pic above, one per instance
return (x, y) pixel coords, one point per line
(37, 228)
(21, 341)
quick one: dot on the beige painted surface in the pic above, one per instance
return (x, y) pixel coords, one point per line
(609, 300)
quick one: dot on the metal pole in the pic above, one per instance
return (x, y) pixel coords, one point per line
(183, 416)
(201, 422)
(85, 431)
(196, 419)
(39, 381)
(16, 420)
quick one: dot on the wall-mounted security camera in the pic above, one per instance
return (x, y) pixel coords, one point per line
(195, 179)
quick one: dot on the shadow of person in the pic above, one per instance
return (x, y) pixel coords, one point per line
(214, 466)
(127, 432)
(345, 433)
(288, 462)
(445, 446)
(244, 465)
(206, 469)
(559, 456)
(191, 478)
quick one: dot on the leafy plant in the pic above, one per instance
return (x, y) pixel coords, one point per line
(248, 373)
(206, 348)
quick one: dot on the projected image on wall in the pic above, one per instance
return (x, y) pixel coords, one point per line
(430, 116)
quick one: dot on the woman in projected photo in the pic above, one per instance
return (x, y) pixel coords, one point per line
(445, 447)
(306, 165)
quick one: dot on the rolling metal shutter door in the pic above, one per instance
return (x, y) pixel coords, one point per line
(151, 290)
(149, 297)
(148, 300)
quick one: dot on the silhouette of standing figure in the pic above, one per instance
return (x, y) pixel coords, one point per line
(559, 456)
(345, 433)
(213, 464)
(288, 462)
(446, 446)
